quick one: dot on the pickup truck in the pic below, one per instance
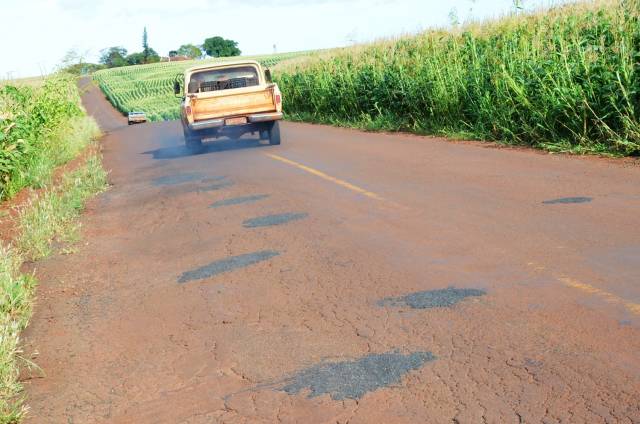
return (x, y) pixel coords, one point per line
(228, 99)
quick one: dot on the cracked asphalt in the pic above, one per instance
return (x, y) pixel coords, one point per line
(408, 280)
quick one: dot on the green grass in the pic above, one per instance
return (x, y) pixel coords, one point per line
(16, 294)
(50, 218)
(68, 140)
(41, 128)
(33, 124)
(566, 80)
(149, 88)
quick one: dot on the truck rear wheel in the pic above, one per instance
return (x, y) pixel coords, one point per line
(192, 141)
(274, 134)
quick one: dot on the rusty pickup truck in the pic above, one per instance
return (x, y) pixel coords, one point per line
(228, 99)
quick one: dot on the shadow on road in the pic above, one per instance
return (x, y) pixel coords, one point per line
(174, 152)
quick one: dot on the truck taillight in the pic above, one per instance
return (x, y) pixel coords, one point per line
(189, 111)
(278, 99)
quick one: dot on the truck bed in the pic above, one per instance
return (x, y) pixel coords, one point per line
(227, 103)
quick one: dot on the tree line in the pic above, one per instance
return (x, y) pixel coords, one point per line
(217, 46)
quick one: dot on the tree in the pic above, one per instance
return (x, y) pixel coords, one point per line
(220, 47)
(72, 57)
(135, 59)
(139, 59)
(173, 53)
(454, 20)
(190, 50)
(148, 55)
(145, 45)
(152, 56)
(74, 63)
(113, 57)
(82, 68)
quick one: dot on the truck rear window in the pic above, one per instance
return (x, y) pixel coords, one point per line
(223, 79)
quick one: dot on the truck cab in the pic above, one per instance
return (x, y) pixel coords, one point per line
(229, 99)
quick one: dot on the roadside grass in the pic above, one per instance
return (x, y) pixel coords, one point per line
(49, 219)
(565, 80)
(34, 122)
(52, 216)
(68, 140)
(41, 129)
(16, 302)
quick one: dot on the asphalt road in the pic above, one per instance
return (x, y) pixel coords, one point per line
(342, 277)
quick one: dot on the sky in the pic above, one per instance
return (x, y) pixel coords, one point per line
(36, 34)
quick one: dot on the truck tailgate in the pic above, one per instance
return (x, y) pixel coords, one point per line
(232, 102)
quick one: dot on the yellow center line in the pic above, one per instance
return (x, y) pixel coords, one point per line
(324, 176)
(632, 307)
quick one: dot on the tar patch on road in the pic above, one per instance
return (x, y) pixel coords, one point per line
(213, 187)
(226, 265)
(566, 200)
(178, 179)
(269, 220)
(352, 379)
(442, 298)
(239, 200)
(212, 179)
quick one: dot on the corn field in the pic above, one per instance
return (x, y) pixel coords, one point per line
(149, 88)
(567, 79)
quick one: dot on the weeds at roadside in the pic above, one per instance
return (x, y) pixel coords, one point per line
(51, 217)
(61, 147)
(16, 293)
(35, 124)
(41, 128)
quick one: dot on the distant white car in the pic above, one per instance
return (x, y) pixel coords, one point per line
(137, 117)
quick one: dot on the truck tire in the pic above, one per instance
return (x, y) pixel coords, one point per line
(192, 141)
(274, 134)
